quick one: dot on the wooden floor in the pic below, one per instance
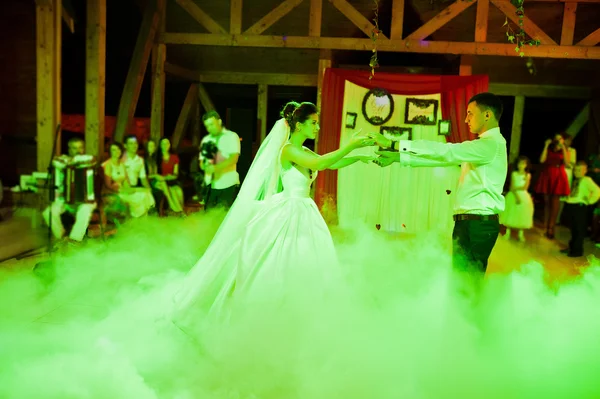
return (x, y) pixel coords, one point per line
(20, 238)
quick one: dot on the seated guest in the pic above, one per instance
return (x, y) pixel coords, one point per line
(167, 167)
(584, 193)
(160, 191)
(82, 211)
(134, 164)
(117, 188)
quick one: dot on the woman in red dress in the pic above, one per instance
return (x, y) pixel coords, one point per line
(553, 181)
(168, 175)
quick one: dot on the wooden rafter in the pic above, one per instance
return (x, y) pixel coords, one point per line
(355, 16)
(204, 98)
(137, 70)
(440, 19)
(200, 16)
(183, 120)
(529, 27)
(397, 19)
(568, 24)
(406, 46)
(481, 20)
(68, 18)
(235, 19)
(591, 40)
(273, 16)
(316, 16)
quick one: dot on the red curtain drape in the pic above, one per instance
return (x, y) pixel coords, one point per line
(455, 93)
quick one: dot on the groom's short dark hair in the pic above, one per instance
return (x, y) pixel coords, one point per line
(489, 101)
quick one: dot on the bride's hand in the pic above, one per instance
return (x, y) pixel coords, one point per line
(359, 140)
(367, 158)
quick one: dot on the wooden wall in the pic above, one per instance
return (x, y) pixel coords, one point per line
(18, 89)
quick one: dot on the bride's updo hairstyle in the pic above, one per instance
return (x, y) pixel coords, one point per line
(297, 113)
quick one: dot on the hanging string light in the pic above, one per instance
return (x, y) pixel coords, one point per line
(374, 62)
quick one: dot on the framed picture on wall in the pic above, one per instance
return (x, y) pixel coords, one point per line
(444, 127)
(351, 120)
(421, 112)
(396, 133)
(378, 106)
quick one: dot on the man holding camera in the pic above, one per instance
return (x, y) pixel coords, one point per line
(219, 154)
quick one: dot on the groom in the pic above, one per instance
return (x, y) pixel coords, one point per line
(484, 167)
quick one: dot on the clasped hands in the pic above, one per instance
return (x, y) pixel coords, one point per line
(384, 158)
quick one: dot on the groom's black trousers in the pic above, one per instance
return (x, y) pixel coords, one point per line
(474, 237)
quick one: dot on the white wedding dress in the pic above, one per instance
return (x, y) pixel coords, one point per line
(285, 255)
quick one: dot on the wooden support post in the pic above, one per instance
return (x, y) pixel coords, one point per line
(515, 135)
(137, 70)
(466, 65)
(235, 18)
(48, 49)
(95, 77)
(316, 15)
(159, 53)
(261, 112)
(481, 20)
(204, 98)
(197, 125)
(183, 121)
(324, 63)
(579, 122)
(397, 19)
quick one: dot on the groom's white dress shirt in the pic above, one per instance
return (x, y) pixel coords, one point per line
(484, 166)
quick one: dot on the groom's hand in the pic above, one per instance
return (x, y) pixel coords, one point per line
(394, 155)
(381, 140)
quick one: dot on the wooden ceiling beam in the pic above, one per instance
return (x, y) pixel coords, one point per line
(591, 40)
(356, 17)
(201, 17)
(235, 17)
(246, 78)
(540, 91)
(399, 46)
(441, 19)
(481, 20)
(316, 18)
(273, 16)
(568, 24)
(534, 31)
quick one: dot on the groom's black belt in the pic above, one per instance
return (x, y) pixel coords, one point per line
(483, 218)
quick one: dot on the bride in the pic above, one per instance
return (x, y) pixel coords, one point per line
(273, 239)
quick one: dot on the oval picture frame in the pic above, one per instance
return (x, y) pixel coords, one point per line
(377, 120)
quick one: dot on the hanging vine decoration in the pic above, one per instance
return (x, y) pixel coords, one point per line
(518, 36)
(374, 62)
